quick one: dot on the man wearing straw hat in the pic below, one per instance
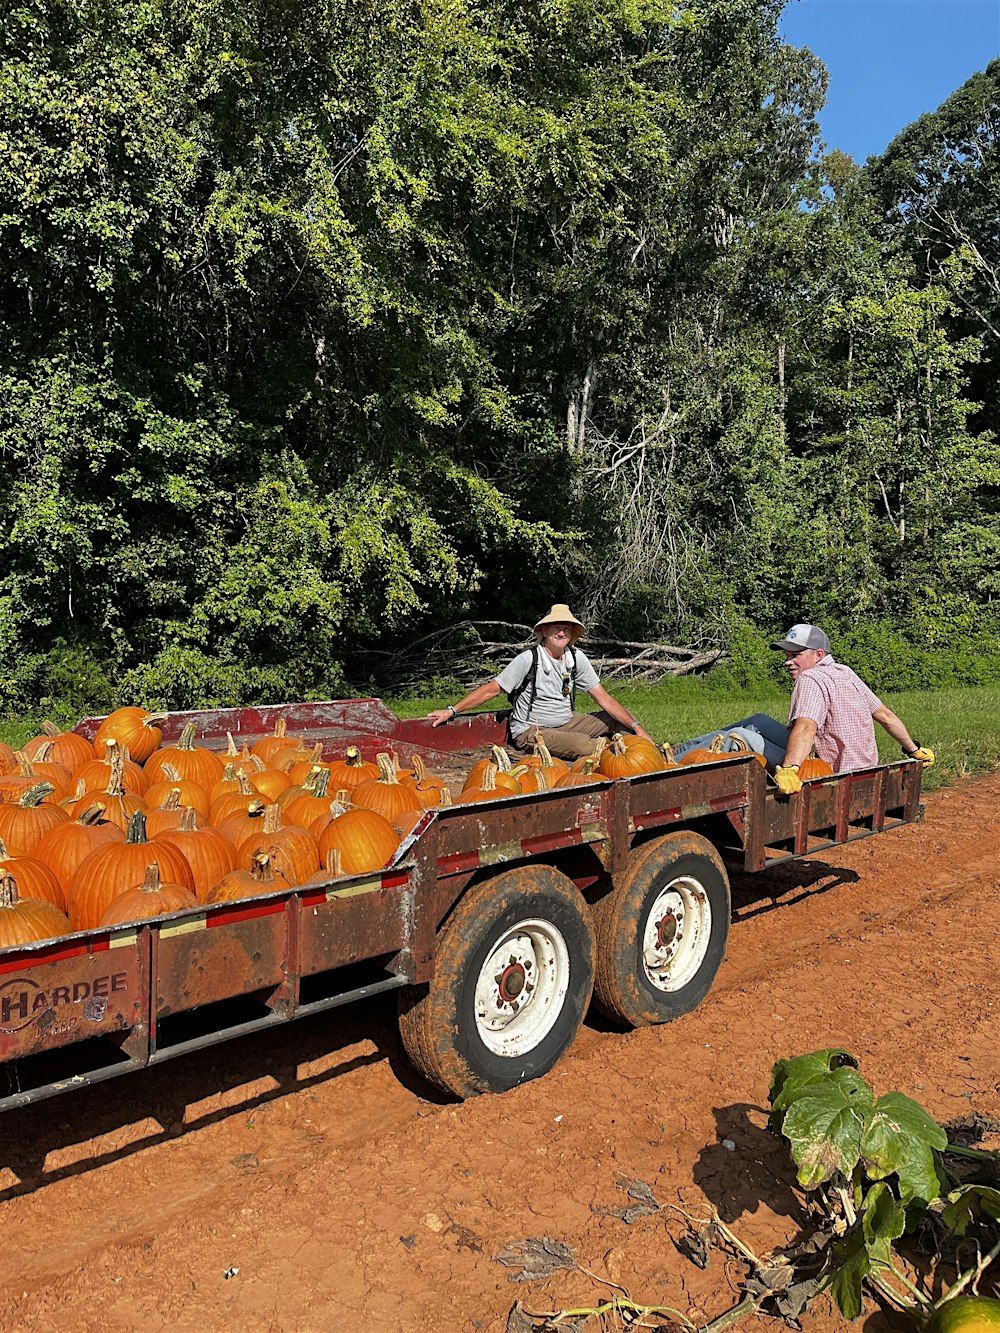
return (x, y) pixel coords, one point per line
(541, 684)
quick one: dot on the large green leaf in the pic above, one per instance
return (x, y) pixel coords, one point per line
(853, 1266)
(901, 1138)
(789, 1077)
(825, 1123)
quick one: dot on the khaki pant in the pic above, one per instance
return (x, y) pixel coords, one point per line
(573, 741)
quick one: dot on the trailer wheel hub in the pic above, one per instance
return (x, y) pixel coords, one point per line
(676, 935)
(522, 987)
(512, 982)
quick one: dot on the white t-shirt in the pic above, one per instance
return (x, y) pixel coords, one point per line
(552, 705)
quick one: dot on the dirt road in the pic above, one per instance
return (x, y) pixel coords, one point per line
(316, 1164)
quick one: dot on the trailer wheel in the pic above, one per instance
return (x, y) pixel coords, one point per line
(513, 976)
(661, 934)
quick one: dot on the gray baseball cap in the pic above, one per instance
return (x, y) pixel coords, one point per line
(803, 636)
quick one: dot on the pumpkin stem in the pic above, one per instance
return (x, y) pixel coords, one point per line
(419, 768)
(280, 727)
(322, 784)
(386, 769)
(342, 796)
(445, 800)
(542, 751)
(81, 790)
(35, 795)
(116, 776)
(718, 744)
(189, 821)
(501, 758)
(154, 719)
(186, 741)
(272, 819)
(667, 750)
(228, 773)
(170, 773)
(8, 890)
(50, 729)
(151, 883)
(260, 868)
(617, 745)
(589, 764)
(490, 778)
(599, 748)
(256, 809)
(24, 765)
(173, 801)
(4, 853)
(313, 778)
(231, 749)
(244, 785)
(136, 829)
(334, 862)
(248, 760)
(92, 815)
(353, 757)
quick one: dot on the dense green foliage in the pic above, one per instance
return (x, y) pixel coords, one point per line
(325, 320)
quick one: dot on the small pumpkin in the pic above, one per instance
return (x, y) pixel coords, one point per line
(26, 920)
(235, 801)
(24, 822)
(94, 775)
(270, 747)
(238, 826)
(814, 768)
(583, 776)
(191, 761)
(386, 795)
(308, 803)
(703, 754)
(68, 748)
(238, 884)
(210, 855)
(598, 750)
(110, 870)
(365, 839)
(292, 849)
(133, 729)
(541, 758)
(149, 899)
(34, 878)
(192, 795)
(488, 789)
(502, 772)
(65, 845)
(163, 818)
(299, 768)
(119, 804)
(269, 782)
(29, 772)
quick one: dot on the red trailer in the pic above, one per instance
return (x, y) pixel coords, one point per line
(497, 922)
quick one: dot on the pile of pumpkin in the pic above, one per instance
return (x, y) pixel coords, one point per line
(126, 828)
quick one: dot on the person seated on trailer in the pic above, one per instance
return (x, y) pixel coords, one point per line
(541, 684)
(831, 708)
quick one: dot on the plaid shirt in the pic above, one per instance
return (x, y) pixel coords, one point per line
(841, 705)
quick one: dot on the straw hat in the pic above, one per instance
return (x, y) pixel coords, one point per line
(560, 614)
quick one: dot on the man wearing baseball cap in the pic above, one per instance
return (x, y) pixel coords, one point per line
(833, 709)
(541, 684)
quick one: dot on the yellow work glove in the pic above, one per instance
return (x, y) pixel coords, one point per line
(925, 754)
(788, 779)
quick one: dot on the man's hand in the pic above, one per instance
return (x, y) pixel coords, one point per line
(925, 754)
(641, 731)
(440, 716)
(788, 780)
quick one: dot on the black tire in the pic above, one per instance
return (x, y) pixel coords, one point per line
(438, 1022)
(623, 987)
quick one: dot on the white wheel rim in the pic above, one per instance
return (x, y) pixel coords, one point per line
(676, 934)
(522, 988)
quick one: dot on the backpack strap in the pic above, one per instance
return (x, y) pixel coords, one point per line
(572, 681)
(530, 683)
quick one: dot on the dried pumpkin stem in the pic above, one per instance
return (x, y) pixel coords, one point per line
(151, 883)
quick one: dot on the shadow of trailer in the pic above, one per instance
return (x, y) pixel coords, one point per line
(498, 922)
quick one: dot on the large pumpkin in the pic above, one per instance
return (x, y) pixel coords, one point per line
(24, 822)
(272, 746)
(149, 899)
(365, 839)
(260, 878)
(26, 920)
(112, 869)
(628, 761)
(386, 795)
(540, 757)
(238, 826)
(34, 878)
(503, 778)
(191, 761)
(133, 728)
(68, 749)
(66, 845)
(244, 798)
(29, 772)
(189, 794)
(308, 803)
(210, 855)
(292, 850)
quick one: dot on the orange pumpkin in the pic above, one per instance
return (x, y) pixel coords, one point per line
(333, 810)
(26, 920)
(703, 754)
(628, 761)
(489, 788)
(598, 750)
(351, 771)
(536, 778)
(235, 801)
(242, 760)
(191, 795)
(29, 772)
(110, 870)
(7, 761)
(502, 768)
(191, 761)
(260, 878)
(68, 749)
(269, 782)
(66, 845)
(238, 826)
(299, 768)
(149, 899)
(581, 777)
(134, 729)
(308, 803)
(34, 878)
(365, 839)
(292, 849)
(814, 768)
(119, 805)
(210, 855)
(333, 868)
(272, 746)
(386, 795)
(24, 822)
(94, 775)
(163, 818)
(541, 758)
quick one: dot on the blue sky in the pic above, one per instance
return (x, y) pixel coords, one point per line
(890, 60)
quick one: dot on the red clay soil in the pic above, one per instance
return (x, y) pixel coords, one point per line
(307, 1179)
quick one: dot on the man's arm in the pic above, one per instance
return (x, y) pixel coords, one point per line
(480, 695)
(896, 728)
(800, 741)
(618, 711)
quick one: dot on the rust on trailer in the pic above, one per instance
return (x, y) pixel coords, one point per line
(201, 957)
(347, 924)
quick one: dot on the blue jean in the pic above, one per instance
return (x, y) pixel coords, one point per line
(761, 732)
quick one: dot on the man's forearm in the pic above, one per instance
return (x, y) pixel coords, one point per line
(480, 695)
(800, 741)
(620, 713)
(896, 728)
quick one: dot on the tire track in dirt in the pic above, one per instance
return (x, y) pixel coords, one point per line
(343, 1169)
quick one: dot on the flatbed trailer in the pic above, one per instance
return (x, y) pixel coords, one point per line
(497, 922)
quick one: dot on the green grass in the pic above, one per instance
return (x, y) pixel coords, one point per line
(962, 726)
